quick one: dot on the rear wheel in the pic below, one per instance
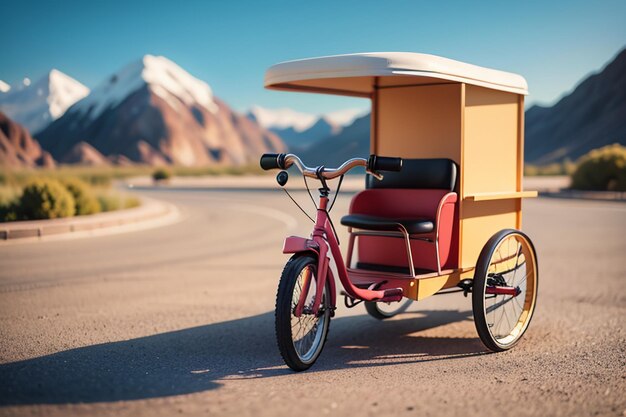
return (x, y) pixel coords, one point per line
(301, 339)
(504, 291)
(382, 311)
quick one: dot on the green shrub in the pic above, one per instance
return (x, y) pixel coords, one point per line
(566, 167)
(161, 174)
(113, 200)
(101, 180)
(9, 212)
(45, 199)
(602, 169)
(109, 202)
(84, 198)
(131, 201)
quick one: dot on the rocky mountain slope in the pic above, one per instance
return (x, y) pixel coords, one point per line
(351, 142)
(18, 148)
(38, 104)
(591, 116)
(297, 141)
(153, 111)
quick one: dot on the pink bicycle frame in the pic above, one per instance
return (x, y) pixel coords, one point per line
(323, 240)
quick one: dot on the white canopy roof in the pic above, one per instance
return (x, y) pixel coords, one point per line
(356, 74)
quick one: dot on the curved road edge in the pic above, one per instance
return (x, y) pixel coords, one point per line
(151, 213)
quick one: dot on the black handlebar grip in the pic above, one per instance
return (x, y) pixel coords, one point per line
(384, 163)
(272, 161)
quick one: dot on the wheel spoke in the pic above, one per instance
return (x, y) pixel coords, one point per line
(519, 250)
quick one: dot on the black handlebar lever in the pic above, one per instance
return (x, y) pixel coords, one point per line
(377, 163)
(273, 161)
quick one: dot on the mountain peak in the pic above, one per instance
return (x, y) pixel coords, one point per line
(160, 71)
(326, 123)
(35, 105)
(63, 91)
(4, 87)
(162, 76)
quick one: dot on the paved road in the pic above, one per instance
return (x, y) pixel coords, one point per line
(178, 320)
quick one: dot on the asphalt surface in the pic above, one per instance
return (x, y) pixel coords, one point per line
(178, 320)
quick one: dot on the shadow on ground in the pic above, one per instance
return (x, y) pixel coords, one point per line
(198, 358)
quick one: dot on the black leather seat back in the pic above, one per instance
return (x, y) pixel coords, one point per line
(419, 174)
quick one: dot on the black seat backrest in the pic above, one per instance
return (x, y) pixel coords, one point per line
(419, 174)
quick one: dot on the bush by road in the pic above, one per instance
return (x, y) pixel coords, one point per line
(602, 169)
(49, 198)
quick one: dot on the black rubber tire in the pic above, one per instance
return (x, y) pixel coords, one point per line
(283, 310)
(373, 310)
(479, 288)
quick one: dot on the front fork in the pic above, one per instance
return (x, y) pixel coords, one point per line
(323, 266)
(319, 248)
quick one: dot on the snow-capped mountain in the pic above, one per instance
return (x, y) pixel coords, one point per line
(162, 76)
(300, 130)
(152, 111)
(4, 87)
(36, 105)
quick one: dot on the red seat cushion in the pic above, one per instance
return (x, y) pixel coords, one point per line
(412, 226)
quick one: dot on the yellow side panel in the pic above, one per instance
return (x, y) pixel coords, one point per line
(419, 122)
(490, 164)
(491, 141)
(480, 221)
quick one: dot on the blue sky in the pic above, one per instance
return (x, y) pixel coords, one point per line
(229, 44)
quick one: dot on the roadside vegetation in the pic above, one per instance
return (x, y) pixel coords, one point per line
(31, 194)
(104, 176)
(161, 175)
(566, 167)
(37, 196)
(602, 169)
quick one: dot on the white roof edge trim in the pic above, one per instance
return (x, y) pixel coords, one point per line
(381, 64)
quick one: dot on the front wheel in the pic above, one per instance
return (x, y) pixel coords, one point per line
(382, 311)
(504, 291)
(301, 339)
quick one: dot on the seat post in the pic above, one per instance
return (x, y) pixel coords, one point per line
(409, 255)
(350, 248)
(437, 252)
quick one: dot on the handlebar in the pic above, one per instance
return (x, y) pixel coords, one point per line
(373, 165)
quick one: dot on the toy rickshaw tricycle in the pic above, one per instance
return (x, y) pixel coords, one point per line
(442, 208)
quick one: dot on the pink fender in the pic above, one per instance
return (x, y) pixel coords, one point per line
(296, 244)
